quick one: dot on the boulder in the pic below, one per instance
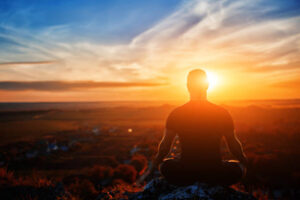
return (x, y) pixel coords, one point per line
(158, 188)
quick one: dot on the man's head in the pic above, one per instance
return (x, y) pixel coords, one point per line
(197, 82)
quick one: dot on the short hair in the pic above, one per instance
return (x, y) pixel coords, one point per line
(197, 81)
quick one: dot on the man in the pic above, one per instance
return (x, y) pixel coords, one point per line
(200, 126)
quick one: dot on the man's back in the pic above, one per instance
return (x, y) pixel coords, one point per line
(200, 126)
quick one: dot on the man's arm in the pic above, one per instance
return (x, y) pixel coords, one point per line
(163, 150)
(164, 147)
(235, 147)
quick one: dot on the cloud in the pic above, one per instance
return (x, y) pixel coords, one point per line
(69, 85)
(241, 39)
(279, 66)
(235, 34)
(204, 32)
(29, 63)
(290, 84)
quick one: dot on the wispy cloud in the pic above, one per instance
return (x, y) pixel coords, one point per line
(28, 63)
(63, 85)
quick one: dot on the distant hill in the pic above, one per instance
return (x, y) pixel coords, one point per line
(30, 106)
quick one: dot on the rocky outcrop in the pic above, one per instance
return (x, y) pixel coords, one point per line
(159, 189)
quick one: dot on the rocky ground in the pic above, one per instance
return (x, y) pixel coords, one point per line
(159, 189)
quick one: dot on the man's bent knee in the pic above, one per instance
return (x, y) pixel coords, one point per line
(168, 166)
(233, 171)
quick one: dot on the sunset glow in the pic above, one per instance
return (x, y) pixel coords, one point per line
(213, 80)
(149, 99)
(142, 50)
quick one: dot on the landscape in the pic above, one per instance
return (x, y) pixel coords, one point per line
(133, 99)
(88, 149)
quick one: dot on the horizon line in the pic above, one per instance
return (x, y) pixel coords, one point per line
(123, 101)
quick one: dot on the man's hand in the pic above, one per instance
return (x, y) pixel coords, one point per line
(244, 164)
(236, 149)
(244, 160)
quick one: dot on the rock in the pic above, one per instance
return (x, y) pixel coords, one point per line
(64, 148)
(31, 154)
(52, 147)
(159, 189)
(96, 131)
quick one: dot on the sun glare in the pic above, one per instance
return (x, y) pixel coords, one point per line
(212, 80)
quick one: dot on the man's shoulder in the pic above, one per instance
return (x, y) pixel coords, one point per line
(179, 109)
(214, 108)
(172, 118)
(223, 117)
(220, 109)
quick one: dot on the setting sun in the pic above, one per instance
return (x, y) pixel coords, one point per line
(213, 80)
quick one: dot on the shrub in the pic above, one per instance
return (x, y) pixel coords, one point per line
(6, 177)
(109, 161)
(139, 162)
(99, 173)
(126, 173)
(84, 189)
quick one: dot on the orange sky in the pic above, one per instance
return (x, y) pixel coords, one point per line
(251, 56)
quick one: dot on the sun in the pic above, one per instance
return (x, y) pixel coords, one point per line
(213, 80)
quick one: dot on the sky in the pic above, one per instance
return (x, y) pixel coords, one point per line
(117, 50)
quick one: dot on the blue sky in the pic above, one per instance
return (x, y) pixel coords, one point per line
(107, 21)
(148, 43)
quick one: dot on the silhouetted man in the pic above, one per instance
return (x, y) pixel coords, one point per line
(200, 126)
